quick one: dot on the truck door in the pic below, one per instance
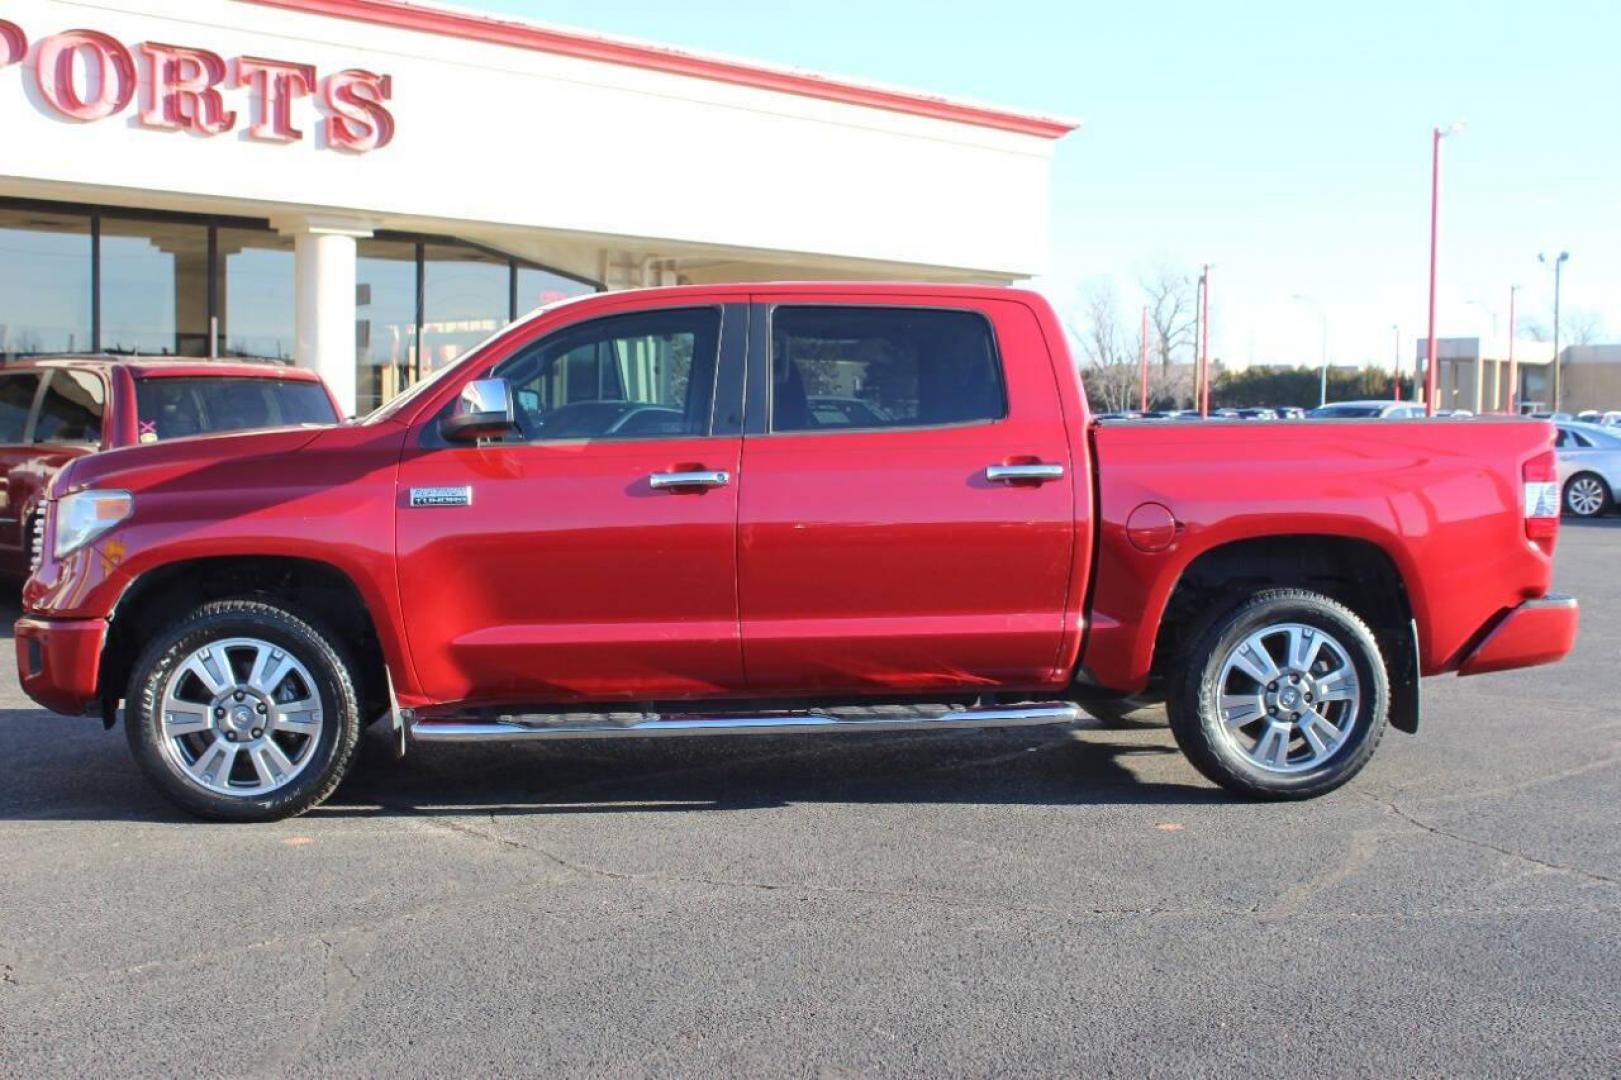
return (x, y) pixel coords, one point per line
(906, 521)
(592, 555)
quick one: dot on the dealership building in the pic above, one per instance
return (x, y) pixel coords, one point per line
(368, 187)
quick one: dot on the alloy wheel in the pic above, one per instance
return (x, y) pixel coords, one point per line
(240, 716)
(1585, 496)
(1289, 697)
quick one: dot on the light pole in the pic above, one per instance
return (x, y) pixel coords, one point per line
(1557, 263)
(1513, 369)
(1204, 342)
(1322, 385)
(1430, 383)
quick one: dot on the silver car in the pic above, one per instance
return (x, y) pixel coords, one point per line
(1366, 410)
(1589, 467)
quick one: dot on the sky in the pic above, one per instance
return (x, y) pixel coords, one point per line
(1287, 144)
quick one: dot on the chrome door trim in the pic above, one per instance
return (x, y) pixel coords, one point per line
(703, 479)
(1007, 474)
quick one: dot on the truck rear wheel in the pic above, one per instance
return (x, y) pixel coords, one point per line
(242, 711)
(1282, 697)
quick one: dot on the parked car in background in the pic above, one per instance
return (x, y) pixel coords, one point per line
(1589, 416)
(52, 411)
(1589, 468)
(1367, 410)
(1290, 412)
(1611, 419)
(1258, 414)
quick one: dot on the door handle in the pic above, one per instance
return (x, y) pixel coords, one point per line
(1012, 474)
(664, 480)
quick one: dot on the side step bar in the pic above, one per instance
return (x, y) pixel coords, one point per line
(641, 725)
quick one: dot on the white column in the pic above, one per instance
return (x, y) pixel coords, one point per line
(324, 297)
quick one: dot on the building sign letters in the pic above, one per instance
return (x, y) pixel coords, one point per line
(86, 75)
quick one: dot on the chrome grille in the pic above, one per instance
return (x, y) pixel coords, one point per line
(36, 543)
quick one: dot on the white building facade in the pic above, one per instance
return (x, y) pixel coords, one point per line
(369, 187)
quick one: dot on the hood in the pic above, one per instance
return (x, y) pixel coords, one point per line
(205, 461)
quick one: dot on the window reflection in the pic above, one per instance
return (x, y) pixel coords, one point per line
(154, 288)
(468, 297)
(255, 293)
(385, 320)
(44, 283)
(537, 287)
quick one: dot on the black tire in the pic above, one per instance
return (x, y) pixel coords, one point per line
(1195, 711)
(1606, 500)
(334, 685)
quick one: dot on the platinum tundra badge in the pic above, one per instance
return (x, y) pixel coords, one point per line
(442, 496)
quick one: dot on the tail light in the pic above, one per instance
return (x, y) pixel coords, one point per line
(1541, 475)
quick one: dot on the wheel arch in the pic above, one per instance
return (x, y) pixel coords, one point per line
(1357, 572)
(316, 590)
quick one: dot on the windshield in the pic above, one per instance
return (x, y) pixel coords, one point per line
(1344, 412)
(172, 408)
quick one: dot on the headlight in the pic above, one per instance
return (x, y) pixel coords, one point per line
(85, 515)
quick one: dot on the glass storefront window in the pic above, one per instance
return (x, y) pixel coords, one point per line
(255, 293)
(155, 295)
(537, 287)
(468, 296)
(385, 320)
(44, 283)
(154, 288)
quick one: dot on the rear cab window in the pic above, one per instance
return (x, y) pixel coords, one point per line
(173, 407)
(880, 368)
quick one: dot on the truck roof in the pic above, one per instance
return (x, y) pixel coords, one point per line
(144, 367)
(812, 288)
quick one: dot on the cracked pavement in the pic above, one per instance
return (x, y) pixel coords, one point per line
(1027, 902)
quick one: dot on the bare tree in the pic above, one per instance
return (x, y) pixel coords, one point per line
(1534, 328)
(1171, 313)
(1108, 362)
(1581, 328)
(1575, 328)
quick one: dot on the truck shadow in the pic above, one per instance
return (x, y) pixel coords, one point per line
(70, 770)
(1056, 766)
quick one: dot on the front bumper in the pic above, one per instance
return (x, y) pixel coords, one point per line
(1539, 631)
(59, 661)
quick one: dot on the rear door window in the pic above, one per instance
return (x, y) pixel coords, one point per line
(866, 368)
(174, 407)
(72, 408)
(17, 392)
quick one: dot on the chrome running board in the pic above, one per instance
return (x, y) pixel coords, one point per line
(641, 725)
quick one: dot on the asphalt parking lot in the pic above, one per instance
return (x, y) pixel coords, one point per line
(1025, 902)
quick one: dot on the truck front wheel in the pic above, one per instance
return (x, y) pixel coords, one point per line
(243, 711)
(1281, 697)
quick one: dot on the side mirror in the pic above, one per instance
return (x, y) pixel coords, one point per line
(484, 411)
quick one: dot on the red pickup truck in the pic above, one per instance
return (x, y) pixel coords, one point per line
(780, 508)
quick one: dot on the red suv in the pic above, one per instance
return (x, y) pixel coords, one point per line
(52, 411)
